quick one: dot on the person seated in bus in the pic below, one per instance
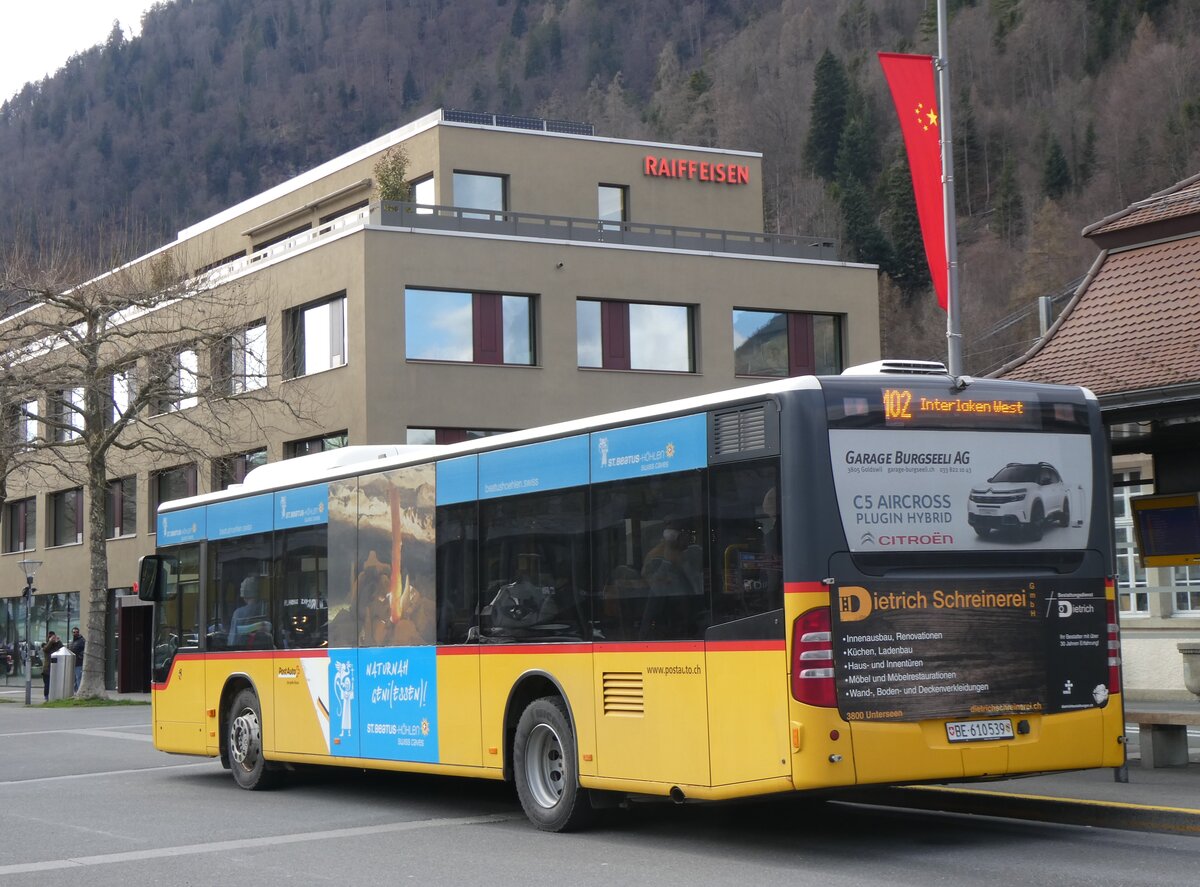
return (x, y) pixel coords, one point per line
(249, 621)
(667, 583)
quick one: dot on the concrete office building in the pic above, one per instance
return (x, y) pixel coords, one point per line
(541, 273)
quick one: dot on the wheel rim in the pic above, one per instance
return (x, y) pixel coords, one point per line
(545, 766)
(245, 739)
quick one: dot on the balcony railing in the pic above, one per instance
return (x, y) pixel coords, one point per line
(646, 234)
(534, 225)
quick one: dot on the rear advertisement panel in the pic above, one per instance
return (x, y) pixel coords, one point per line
(910, 651)
(908, 490)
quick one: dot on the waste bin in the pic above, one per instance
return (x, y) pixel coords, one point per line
(62, 674)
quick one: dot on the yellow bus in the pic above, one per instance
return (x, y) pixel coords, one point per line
(800, 585)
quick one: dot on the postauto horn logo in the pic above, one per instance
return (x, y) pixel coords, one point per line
(854, 603)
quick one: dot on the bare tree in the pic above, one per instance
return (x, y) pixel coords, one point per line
(141, 362)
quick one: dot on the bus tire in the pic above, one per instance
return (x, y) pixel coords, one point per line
(546, 769)
(250, 769)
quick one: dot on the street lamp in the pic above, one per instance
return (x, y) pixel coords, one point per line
(28, 568)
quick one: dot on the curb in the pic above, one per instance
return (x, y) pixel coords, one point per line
(1038, 808)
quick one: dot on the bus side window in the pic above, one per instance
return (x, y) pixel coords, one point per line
(303, 589)
(747, 534)
(649, 544)
(239, 598)
(533, 553)
(457, 580)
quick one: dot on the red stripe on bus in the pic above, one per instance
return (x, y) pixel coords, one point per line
(653, 647)
(543, 649)
(804, 587)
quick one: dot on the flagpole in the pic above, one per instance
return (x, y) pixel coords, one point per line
(953, 315)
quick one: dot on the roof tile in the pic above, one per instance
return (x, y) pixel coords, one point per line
(1132, 328)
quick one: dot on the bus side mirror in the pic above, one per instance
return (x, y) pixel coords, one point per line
(152, 578)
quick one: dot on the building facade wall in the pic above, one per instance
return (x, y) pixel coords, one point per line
(381, 392)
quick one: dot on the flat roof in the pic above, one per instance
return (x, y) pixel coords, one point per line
(383, 142)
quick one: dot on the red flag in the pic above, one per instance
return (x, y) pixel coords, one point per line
(911, 80)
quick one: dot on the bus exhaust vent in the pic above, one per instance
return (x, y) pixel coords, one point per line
(624, 694)
(744, 433)
(907, 367)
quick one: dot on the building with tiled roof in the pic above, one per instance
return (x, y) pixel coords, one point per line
(1128, 335)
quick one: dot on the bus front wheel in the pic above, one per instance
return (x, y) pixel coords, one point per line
(546, 770)
(250, 769)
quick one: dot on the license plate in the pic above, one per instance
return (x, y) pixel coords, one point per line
(976, 731)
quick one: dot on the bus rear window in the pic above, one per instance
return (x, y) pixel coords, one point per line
(937, 470)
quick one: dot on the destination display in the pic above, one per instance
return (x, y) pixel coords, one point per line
(904, 490)
(979, 406)
(908, 651)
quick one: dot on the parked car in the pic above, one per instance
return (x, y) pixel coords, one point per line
(1022, 496)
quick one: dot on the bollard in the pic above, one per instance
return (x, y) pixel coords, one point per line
(62, 674)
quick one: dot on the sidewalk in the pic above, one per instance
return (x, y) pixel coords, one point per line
(15, 693)
(1165, 799)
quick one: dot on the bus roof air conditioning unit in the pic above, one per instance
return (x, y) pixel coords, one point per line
(905, 367)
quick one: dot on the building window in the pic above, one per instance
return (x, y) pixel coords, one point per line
(480, 191)
(240, 361)
(66, 516)
(612, 205)
(1186, 580)
(66, 412)
(425, 436)
(786, 343)
(123, 390)
(20, 520)
(486, 328)
(316, 336)
(634, 336)
(120, 508)
(22, 421)
(171, 483)
(177, 374)
(1131, 575)
(422, 193)
(229, 470)
(311, 445)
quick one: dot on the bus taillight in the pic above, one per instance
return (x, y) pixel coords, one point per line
(1114, 650)
(812, 659)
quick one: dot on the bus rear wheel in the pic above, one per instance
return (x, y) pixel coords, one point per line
(546, 770)
(250, 769)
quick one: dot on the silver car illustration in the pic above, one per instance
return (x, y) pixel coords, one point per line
(1022, 496)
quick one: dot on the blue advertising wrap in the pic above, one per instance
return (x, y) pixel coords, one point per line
(179, 527)
(344, 722)
(653, 448)
(457, 480)
(302, 507)
(550, 465)
(241, 517)
(383, 703)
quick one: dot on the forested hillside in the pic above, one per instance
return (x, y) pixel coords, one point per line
(1064, 111)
